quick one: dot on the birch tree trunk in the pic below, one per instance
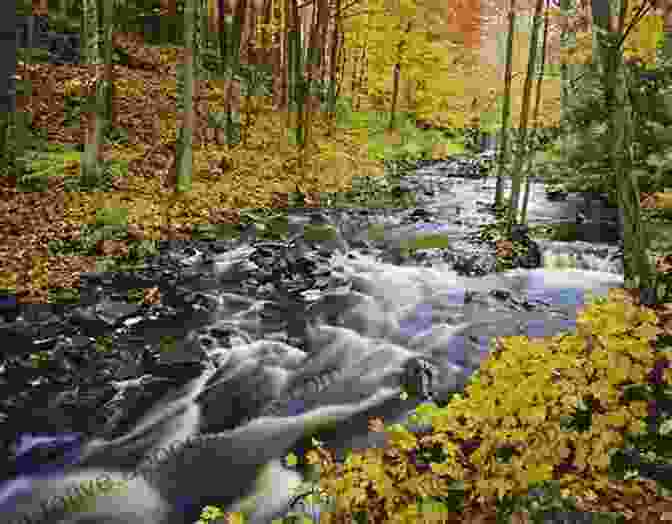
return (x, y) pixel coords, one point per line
(506, 109)
(522, 130)
(535, 121)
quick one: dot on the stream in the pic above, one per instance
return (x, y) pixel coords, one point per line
(256, 346)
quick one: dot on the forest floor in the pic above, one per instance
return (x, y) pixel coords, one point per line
(136, 191)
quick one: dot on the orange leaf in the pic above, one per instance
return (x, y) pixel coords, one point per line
(152, 296)
(376, 425)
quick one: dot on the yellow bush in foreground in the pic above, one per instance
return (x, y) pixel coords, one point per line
(513, 427)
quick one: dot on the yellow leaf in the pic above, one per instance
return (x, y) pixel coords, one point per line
(291, 459)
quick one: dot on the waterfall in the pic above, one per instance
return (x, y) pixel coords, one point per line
(580, 255)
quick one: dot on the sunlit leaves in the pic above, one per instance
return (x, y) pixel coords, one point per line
(566, 406)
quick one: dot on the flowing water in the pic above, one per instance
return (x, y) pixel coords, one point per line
(357, 330)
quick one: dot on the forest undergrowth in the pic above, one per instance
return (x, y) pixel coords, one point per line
(132, 204)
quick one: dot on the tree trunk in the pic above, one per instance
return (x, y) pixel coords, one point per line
(223, 35)
(522, 136)
(232, 90)
(667, 27)
(279, 58)
(506, 109)
(63, 7)
(108, 27)
(333, 67)
(323, 34)
(314, 66)
(396, 74)
(184, 146)
(266, 39)
(601, 16)
(638, 271)
(295, 85)
(90, 165)
(535, 120)
(357, 75)
(90, 49)
(8, 64)
(567, 70)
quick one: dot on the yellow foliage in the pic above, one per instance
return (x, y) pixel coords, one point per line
(643, 38)
(524, 390)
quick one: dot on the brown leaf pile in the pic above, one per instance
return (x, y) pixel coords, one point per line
(225, 179)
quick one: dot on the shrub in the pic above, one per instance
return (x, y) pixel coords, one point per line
(538, 411)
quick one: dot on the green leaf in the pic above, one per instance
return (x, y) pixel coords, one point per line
(665, 427)
(292, 459)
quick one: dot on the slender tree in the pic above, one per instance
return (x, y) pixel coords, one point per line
(295, 83)
(567, 70)
(666, 6)
(506, 110)
(403, 42)
(279, 57)
(232, 89)
(184, 146)
(266, 34)
(23, 98)
(90, 51)
(535, 120)
(522, 130)
(223, 32)
(317, 39)
(358, 75)
(336, 48)
(90, 164)
(109, 25)
(7, 80)
(637, 266)
(63, 8)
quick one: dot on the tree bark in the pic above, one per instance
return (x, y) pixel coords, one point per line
(93, 138)
(506, 109)
(567, 70)
(8, 64)
(535, 117)
(667, 27)
(279, 59)
(333, 66)
(396, 74)
(232, 90)
(294, 69)
(184, 146)
(638, 271)
(522, 130)
(109, 27)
